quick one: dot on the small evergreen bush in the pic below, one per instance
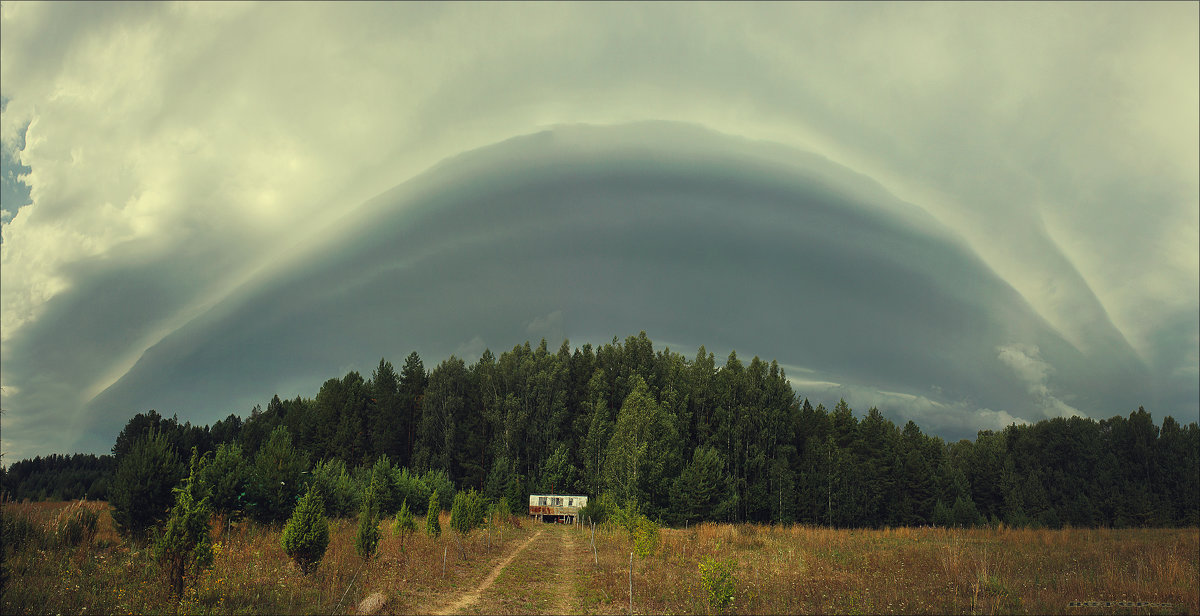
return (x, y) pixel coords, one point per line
(404, 525)
(433, 528)
(367, 538)
(306, 534)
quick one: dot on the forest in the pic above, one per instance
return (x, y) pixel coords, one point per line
(683, 440)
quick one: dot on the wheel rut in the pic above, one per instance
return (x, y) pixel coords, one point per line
(468, 599)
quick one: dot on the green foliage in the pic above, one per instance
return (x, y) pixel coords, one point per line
(277, 477)
(336, 488)
(964, 514)
(228, 477)
(384, 487)
(688, 440)
(306, 534)
(184, 547)
(58, 477)
(641, 457)
(597, 510)
(411, 488)
(141, 493)
(433, 527)
(468, 512)
(720, 585)
(643, 531)
(700, 492)
(438, 482)
(559, 474)
(645, 536)
(367, 538)
(941, 515)
(404, 524)
(18, 531)
(499, 513)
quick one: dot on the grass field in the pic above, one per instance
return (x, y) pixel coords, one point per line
(534, 568)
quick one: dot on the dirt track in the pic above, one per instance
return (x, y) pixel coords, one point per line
(538, 577)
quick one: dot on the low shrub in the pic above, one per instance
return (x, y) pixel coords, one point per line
(716, 576)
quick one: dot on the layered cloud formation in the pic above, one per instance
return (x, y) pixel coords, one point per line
(966, 215)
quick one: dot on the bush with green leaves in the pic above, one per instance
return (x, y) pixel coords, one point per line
(645, 536)
(184, 547)
(720, 585)
(499, 513)
(468, 512)
(306, 534)
(142, 489)
(642, 530)
(433, 527)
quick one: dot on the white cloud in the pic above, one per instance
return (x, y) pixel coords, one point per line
(1026, 362)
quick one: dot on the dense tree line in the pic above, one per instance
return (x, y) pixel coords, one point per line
(58, 477)
(683, 439)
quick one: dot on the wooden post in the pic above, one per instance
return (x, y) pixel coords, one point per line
(631, 584)
(444, 549)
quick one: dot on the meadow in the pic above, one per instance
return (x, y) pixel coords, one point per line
(523, 568)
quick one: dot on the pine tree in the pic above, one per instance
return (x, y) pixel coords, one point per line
(306, 534)
(142, 488)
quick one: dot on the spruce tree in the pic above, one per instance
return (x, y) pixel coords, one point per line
(306, 534)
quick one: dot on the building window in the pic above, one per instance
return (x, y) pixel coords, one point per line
(570, 502)
(542, 501)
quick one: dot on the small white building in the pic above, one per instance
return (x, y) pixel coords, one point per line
(562, 508)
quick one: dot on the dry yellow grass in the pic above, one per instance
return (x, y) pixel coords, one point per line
(780, 569)
(799, 570)
(250, 572)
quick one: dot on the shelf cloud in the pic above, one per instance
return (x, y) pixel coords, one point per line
(966, 215)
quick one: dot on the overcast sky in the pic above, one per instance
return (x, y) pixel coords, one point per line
(966, 214)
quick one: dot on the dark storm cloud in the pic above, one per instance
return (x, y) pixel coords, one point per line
(692, 236)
